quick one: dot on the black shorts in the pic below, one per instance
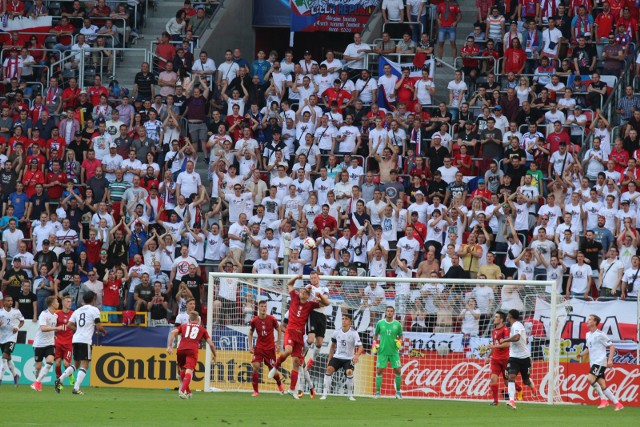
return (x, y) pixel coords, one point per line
(338, 364)
(598, 371)
(317, 324)
(81, 351)
(520, 366)
(7, 347)
(41, 353)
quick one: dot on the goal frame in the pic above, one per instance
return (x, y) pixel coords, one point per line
(553, 361)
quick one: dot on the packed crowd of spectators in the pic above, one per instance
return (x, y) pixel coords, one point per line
(102, 191)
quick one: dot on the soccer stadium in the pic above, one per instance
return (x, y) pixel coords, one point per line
(384, 212)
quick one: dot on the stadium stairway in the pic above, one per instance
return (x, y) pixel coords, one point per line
(445, 74)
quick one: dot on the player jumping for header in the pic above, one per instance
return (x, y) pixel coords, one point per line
(299, 310)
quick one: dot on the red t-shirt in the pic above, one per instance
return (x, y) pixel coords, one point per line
(95, 92)
(90, 167)
(465, 158)
(55, 192)
(621, 156)
(166, 51)
(515, 59)
(64, 337)
(496, 335)
(192, 334)
(482, 193)
(454, 10)
(58, 143)
(298, 312)
(321, 222)
(93, 250)
(232, 120)
(419, 232)
(338, 96)
(472, 51)
(555, 138)
(72, 94)
(30, 179)
(65, 40)
(111, 295)
(265, 328)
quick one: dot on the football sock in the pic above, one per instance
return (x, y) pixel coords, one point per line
(378, 383)
(67, 372)
(281, 359)
(326, 384)
(81, 374)
(12, 367)
(398, 382)
(307, 378)
(278, 379)
(350, 385)
(610, 395)
(512, 391)
(58, 370)
(186, 382)
(598, 389)
(1, 368)
(294, 380)
(254, 380)
(518, 387)
(301, 378)
(181, 374)
(312, 351)
(495, 392)
(44, 371)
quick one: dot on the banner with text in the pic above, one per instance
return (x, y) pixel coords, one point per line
(619, 318)
(454, 378)
(340, 16)
(154, 368)
(24, 26)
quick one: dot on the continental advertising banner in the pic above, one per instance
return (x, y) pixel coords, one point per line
(154, 368)
(341, 16)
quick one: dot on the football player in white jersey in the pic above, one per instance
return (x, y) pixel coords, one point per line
(84, 321)
(519, 357)
(344, 353)
(317, 323)
(44, 343)
(596, 348)
(11, 320)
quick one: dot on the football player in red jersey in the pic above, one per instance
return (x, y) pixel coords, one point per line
(192, 333)
(63, 338)
(299, 310)
(264, 350)
(498, 356)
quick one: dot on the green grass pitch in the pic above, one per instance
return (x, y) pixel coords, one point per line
(129, 407)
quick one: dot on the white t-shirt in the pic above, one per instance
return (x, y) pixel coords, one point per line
(237, 229)
(598, 343)
(189, 183)
(10, 319)
(13, 239)
(346, 344)
(457, 88)
(424, 91)
(519, 349)
(409, 247)
(389, 85)
(365, 89)
(580, 274)
(568, 248)
(85, 318)
(44, 339)
(631, 276)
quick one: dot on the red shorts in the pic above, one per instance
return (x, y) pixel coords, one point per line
(187, 359)
(268, 357)
(499, 367)
(294, 339)
(64, 352)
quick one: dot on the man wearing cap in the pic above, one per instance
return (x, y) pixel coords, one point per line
(47, 258)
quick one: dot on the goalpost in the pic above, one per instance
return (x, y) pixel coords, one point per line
(444, 349)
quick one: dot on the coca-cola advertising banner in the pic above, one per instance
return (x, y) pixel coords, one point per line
(451, 377)
(619, 318)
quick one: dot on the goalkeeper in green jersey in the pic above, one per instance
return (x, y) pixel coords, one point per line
(387, 341)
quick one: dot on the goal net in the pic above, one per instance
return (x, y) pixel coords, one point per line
(446, 324)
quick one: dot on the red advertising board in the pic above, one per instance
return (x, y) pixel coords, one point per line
(452, 377)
